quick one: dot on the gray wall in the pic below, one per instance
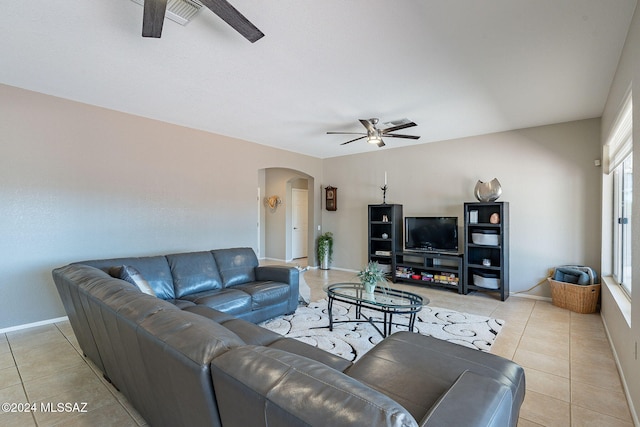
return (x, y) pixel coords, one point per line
(624, 334)
(547, 174)
(80, 182)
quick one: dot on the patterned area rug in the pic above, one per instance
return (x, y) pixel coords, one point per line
(351, 340)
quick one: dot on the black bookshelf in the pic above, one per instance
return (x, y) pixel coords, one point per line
(486, 248)
(385, 234)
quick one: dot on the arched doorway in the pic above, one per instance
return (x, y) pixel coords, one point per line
(286, 231)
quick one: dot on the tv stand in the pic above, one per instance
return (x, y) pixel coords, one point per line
(430, 269)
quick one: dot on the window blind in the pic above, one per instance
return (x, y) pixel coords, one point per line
(620, 142)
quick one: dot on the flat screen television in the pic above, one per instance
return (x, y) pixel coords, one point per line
(431, 234)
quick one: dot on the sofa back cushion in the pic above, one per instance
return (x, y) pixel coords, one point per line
(236, 266)
(177, 349)
(154, 269)
(194, 272)
(265, 386)
(157, 355)
(114, 312)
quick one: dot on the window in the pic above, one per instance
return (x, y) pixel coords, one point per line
(619, 156)
(622, 186)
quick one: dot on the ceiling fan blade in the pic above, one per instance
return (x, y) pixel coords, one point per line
(235, 19)
(393, 135)
(345, 133)
(366, 123)
(153, 18)
(398, 127)
(361, 137)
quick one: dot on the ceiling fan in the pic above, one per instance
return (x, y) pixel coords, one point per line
(374, 135)
(154, 12)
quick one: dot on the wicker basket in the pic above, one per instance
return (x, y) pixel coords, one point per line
(578, 298)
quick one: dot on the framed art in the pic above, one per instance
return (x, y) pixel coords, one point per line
(331, 198)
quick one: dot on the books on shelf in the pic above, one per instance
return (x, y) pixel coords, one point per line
(383, 253)
(385, 268)
(442, 278)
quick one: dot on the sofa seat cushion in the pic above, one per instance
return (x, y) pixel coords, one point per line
(232, 301)
(182, 303)
(257, 335)
(300, 348)
(210, 313)
(265, 294)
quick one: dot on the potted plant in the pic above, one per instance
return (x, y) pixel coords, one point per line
(325, 250)
(371, 276)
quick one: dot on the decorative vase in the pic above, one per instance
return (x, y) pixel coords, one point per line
(488, 191)
(324, 259)
(369, 287)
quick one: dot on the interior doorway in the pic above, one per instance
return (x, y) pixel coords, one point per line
(286, 231)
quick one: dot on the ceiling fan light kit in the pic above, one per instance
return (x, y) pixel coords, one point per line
(374, 135)
(180, 11)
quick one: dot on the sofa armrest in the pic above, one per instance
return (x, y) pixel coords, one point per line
(257, 385)
(276, 273)
(417, 370)
(282, 274)
(472, 401)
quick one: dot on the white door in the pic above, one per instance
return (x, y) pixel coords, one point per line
(258, 225)
(299, 215)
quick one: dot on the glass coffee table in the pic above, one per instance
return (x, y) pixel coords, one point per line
(387, 301)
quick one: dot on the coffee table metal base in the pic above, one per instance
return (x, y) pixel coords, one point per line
(389, 302)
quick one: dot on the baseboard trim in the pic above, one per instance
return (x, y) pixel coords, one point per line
(625, 387)
(536, 297)
(33, 325)
(339, 269)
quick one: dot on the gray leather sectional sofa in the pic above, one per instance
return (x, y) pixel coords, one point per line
(182, 358)
(228, 280)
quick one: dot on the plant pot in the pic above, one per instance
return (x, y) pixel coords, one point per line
(369, 287)
(324, 259)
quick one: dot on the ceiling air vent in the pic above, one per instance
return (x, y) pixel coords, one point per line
(180, 11)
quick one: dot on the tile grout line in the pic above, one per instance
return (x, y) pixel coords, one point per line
(24, 390)
(518, 346)
(110, 387)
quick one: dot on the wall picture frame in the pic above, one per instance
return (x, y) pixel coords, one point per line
(331, 198)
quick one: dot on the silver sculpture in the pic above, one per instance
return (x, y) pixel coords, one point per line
(488, 191)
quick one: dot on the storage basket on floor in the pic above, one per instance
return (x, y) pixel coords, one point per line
(578, 298)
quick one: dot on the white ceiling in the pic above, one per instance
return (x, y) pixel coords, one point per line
(457, 68)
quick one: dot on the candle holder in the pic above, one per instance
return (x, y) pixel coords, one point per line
(384, 194)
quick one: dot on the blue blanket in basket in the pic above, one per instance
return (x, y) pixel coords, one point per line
(572, 275)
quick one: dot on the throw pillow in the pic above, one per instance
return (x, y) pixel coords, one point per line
(133, 276)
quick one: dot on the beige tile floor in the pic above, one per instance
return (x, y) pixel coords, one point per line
(570, 372)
